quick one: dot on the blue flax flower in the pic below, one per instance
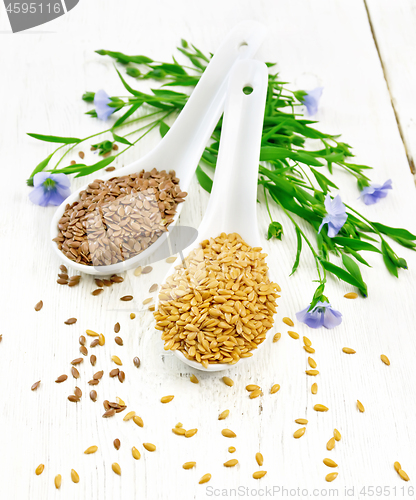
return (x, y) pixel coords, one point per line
(335, 217)
(321, 314)
(311, 100)
(101, 101)
(49, 189)
(373, 193)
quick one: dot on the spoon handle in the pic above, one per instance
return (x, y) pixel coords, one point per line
(187, 138)
(232, 204)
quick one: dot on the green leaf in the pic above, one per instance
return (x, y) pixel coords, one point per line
(323, 181)
(275, 230)
(42, 165)
(204, 180)
(127, 86)
(55, 138)
(121, 139)
(97, 166)
(355, 244)
(163, 129)
(391, 266)
(341, 274)
(88, 96)
(298, 251)
(123, 58)
(317, 296)
(354, 270)
(184, 43)
(126, 115)
(359, 257)
(394, 231)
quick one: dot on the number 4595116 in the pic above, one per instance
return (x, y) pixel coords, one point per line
(386, 491)
(33, 8)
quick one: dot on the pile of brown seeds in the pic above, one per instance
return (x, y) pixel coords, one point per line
(117, 219)
(219, 304)
(65, 279)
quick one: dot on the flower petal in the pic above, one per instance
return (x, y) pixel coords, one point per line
(40, 178)
(61, 180)
(337, 207)
(313, 319)
(37, 196)
(332, 318)
(311, 100)
(101, 100)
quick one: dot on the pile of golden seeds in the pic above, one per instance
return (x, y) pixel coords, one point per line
(219, 304)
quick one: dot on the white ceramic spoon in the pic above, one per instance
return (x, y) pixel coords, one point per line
(232, 203)
(183, 145)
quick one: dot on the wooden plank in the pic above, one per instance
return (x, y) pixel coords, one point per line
(325, 42)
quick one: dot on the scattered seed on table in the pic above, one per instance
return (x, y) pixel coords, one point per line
(129, 416)
(194, 379)
(299, 433)
(77, 361)
(351, 295)
(126, 298)
(149, 446)
(288, 321)
(259, 474)
(178, 425)
(166, 399)
(385, 359)
(116, 279)
(118, 340)
(116, 468)
(109, 413)
(320, 407)
(70, 321)
(35, 385)
(61, 281)
(82, 340)
(231, 449)
(39, 469)
(73, 399)
(58, 481)
(91, 333)
(312, 373)
(116, 327)
(294, 335)
(93, 359)
(94, 343)
(170, 260)
(101, 339)
(188, 465)
(360, 406)
(205, 478)
(90, 450)
(223, 415)
(61, 378)
(403, 475)
(330, 463)
(331, 476)
(397, 466)
(75, 372)
(83, 350)
(63, 268)
(120, 401)
(276, 337)
(98, 375)
(138, 420)
(312, 362)
(259, 459)
(77, 392)
(106, 404)
(116, 360)
(97, 291)
(179, 431)
(116, 443)
(136, 362)
(136, 453)
(191, 432)
(252, 387)
(81, 154)
(314, 388)
(348, 350)
(74, 476)
(256, 394)
(39, 305)
(337, 435)
(301, 421)
(147, 270)
(107, 282)
(275, 388)
(307, 342)
(231, 463)
(114, 372)
(111, 169)
(99, 283)
(121, 376)
(309, 349)
(147, 301)
(228, 381)
(93, 382)
(138, 271)
(228, 433)
(330, 445)
(153, 288)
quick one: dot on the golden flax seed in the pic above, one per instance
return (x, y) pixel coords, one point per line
(330, 463)
(275, 388)
(360, 406)
(385, 359)
(223, 415)
(149, 446)
(288, 321)
(299, 433)
(259, 458)
(231, 463)
(259, 474)
(331, 476)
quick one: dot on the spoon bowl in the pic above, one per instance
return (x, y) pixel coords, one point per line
(183, 145)
(232, 203)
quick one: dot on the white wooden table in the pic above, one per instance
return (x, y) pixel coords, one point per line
(364, 54)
